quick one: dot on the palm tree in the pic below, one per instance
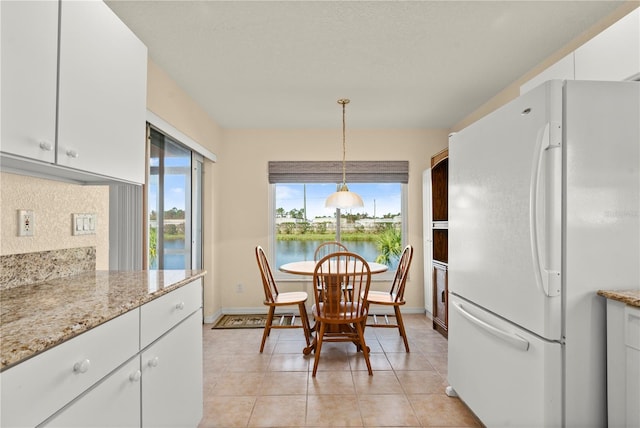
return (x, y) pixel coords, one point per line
(153, 245)
(389, 246)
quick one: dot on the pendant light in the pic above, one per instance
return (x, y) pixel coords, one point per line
(343, 198)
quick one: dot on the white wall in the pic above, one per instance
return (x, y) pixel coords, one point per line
(243, 197)
(236, 202)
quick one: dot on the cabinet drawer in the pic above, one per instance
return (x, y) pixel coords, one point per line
(158, 316)
(37, 388)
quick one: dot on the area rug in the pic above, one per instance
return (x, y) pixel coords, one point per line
(251, 320)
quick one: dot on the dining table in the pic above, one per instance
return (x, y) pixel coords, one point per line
(307, 268)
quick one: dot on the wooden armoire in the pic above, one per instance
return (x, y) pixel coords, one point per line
(439, 233)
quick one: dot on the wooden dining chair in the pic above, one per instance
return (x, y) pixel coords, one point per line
(328, 248)
(395, 296)
(274, 299)
(339, 319)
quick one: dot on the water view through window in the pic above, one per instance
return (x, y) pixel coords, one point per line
(169, 204)
(373, 231)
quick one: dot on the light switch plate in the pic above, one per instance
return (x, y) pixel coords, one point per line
(83, 224)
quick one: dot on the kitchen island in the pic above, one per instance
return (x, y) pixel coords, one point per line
(103, 347)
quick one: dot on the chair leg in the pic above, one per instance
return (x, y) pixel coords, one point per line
(319, 336)
(305, 323)
(363, 345)
(403, 333)
(267, 327)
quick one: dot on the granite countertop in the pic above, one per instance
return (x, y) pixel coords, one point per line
(36, 317)
(630, 297)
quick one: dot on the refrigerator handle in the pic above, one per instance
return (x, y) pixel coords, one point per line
(511, 338)
(545, 205)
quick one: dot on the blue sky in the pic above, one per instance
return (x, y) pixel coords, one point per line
(174, 193)
(381, 199)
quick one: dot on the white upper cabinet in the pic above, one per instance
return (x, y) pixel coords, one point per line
(613, 54)
(563, 69)
(29, 63)
(102, 93)
(88, 77)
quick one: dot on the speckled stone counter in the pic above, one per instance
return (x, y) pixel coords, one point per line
(630, 297)
(36, 317)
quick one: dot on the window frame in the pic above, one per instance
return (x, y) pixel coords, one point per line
(281, 276)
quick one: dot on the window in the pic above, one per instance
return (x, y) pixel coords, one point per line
(173, 204)
(301, 222)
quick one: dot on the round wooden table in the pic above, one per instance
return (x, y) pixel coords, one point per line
(307, 268)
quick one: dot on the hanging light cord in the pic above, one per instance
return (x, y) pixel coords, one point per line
(344, 102)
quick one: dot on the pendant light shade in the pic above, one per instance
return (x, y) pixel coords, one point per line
(343, 198)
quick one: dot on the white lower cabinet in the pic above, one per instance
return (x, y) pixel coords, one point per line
(105, 377)
(172, 377)
(623, 365)
(36, 389)
(114, 402)
(632, 343)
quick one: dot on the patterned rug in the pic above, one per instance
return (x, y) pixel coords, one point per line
(251, 320)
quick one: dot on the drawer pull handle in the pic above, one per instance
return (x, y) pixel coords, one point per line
(72, 154)
(81, 366)
(153, 362)
(46, 146)
(180, 306)
(135, 376)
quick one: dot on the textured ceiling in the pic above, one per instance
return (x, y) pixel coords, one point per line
(403, 64)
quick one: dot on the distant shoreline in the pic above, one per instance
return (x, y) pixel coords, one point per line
(327, 237)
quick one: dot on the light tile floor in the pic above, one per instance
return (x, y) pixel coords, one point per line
(243, 388)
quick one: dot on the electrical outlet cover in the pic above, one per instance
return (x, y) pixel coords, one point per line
(26, 223)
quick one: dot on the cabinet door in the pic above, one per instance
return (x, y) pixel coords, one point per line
(632, 339)
(440, 297)
(102, 93)
(29, 70)
(172, 377)
(115, 402)
(613, 54)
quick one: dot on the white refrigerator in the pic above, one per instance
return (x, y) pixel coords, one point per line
(544, 210)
